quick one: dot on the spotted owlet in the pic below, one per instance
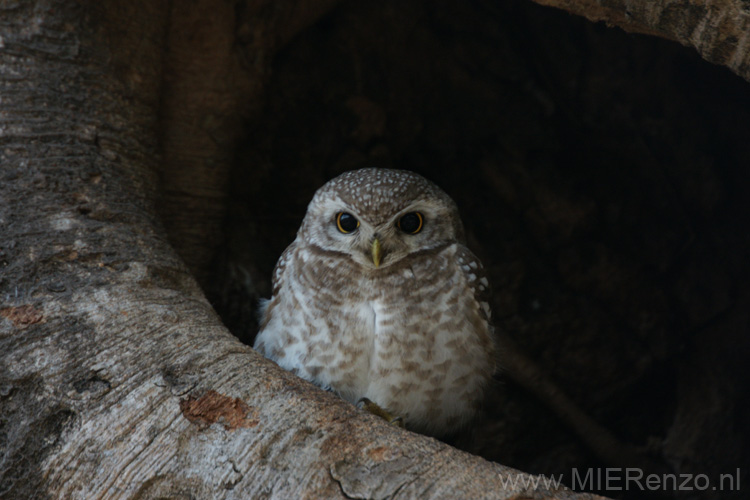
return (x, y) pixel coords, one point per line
(379, 298)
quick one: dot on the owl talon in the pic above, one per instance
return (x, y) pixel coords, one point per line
(398, 422)
(375, 409)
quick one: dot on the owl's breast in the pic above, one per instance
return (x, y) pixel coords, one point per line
(411, 337)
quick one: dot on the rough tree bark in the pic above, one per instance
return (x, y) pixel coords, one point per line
(717, 29)
(118, 380)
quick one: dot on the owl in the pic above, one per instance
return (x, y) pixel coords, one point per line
(379, 298)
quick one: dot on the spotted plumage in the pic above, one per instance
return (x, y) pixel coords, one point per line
(394, 310)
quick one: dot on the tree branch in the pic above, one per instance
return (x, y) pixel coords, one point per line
(717, 29)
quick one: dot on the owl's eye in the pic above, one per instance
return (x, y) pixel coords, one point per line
(411, 223)
(346, 222)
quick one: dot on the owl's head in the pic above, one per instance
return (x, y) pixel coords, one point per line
(378, 217)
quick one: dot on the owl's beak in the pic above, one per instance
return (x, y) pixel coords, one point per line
(377, 252)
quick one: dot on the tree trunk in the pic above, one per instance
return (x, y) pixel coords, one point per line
(216, 63)
(118, 379)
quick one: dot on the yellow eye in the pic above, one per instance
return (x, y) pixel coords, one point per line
(346, 222)
(411, 223)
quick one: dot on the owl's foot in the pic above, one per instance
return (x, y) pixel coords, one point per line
(375, 409)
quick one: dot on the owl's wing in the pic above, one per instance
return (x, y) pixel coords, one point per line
(277, 281)
(476, 278)
(281, 267)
